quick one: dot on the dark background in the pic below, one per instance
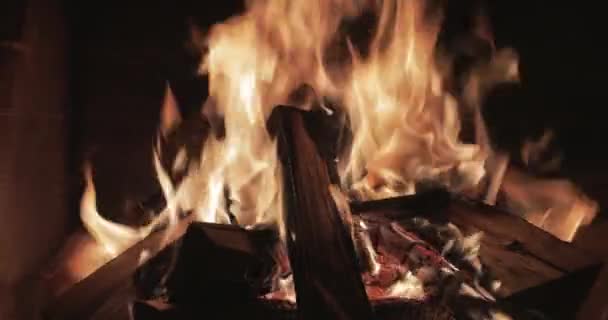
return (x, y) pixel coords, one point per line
(123, 53)
(83, 80)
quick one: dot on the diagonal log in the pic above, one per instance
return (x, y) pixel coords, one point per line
(561, 298)
(327, 281)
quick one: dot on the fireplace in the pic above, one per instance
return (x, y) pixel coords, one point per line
(33, 168)
(351, 159)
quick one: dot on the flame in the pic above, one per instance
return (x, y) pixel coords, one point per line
(408, 287)
(532, 153)
(114, 237)
(406, 126)
(242, 162)
(256, 60)
(555, 205)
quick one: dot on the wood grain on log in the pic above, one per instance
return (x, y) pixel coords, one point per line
(519, 254)
(561, 298)
(327, 281)
(105, 294)
(427, 202)
(272, 310)
(86, 297)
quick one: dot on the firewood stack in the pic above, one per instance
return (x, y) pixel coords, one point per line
(427, 256)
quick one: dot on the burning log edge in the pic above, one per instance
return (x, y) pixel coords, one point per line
(98, 296)
(520, 254)
(323, 259)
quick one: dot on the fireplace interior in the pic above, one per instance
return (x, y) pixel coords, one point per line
(134, 187)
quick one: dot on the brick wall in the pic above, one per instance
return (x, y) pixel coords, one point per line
(33, 98)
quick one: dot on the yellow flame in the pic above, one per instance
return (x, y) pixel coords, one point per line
(532, 151)
(255, 61)
(555, 205)
(406, 126)
(408, 287)
(114, 237)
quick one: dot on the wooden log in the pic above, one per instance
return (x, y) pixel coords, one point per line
(595, 306)
(105, 294)
(518, 253)
(467, 307)
(144, 310)
(522, 256)
(270, 310)
(114, 279)
(327, 280)
(561, 298)
(220, 266)
(425, 203)
(214, 260)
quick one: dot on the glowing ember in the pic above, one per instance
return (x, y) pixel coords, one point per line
(406, 266)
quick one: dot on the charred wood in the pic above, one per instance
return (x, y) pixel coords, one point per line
(274, 310)
(113, 279)
(426, 203)
(518, 253)
(561, 298)
(327, 280)
(221, 266)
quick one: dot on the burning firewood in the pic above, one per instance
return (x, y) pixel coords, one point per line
(221, 265)
(392, 278)
(424, 203)
(555, 205)
(327, 281)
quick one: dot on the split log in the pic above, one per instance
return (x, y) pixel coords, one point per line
(327, 280)
(145, 310)
(211, 268)
(426, 203)
(595, 305)
(518, 253)
(561, 298)
(112, 283)
(219, 266)
(387, 310)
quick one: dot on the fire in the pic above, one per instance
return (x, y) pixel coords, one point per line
(555, 205)
(409, 286)
(114, 237)
(405, 124)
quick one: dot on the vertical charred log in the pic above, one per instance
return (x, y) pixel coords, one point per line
(327, 281)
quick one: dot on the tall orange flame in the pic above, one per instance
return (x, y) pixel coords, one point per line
(405, 124)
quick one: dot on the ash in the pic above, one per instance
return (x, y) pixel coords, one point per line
(412, 259)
